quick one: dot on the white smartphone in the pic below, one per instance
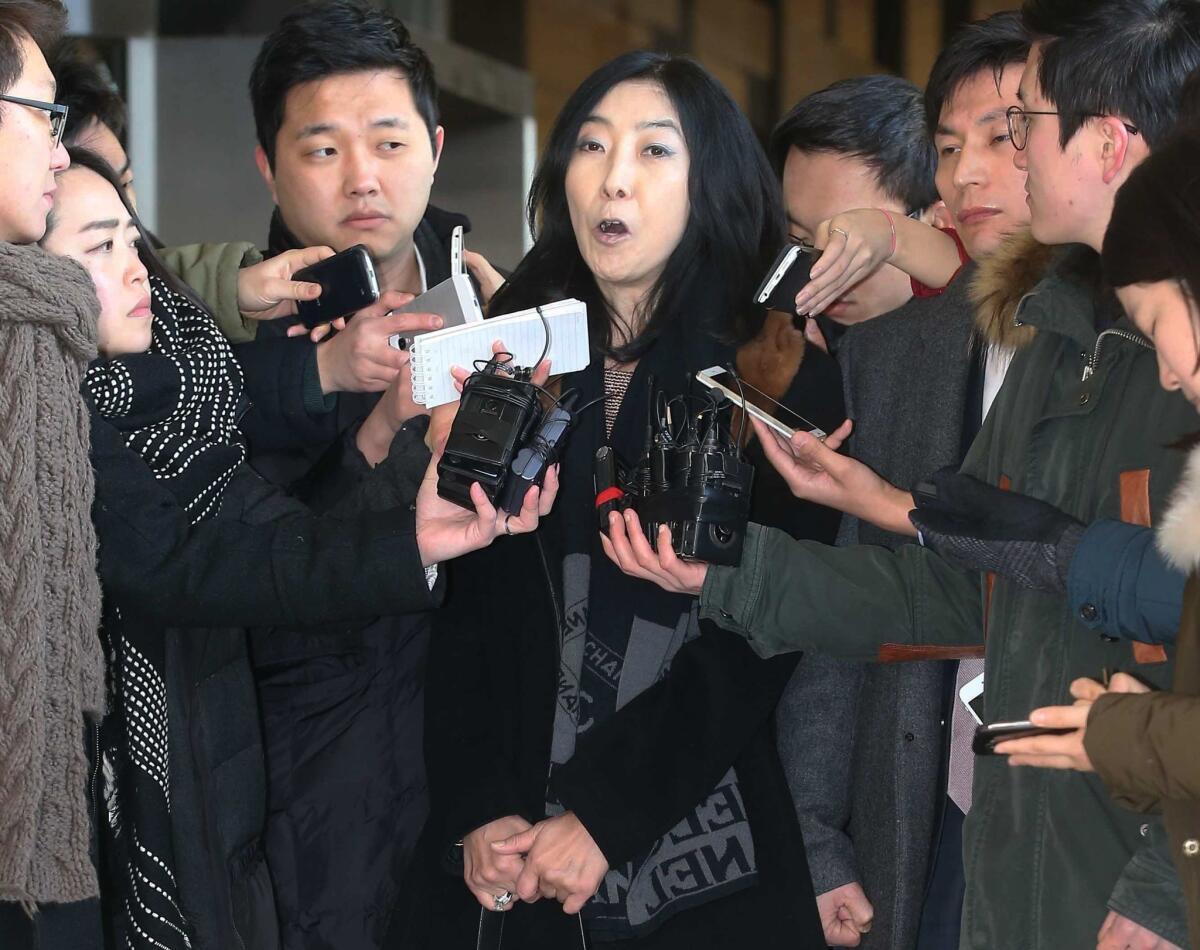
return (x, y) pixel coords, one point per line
(778, 416)
(971, 695)
(457, 264)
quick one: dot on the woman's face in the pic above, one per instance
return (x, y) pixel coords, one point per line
(627, 189)
(91, 226)
(1167, 315)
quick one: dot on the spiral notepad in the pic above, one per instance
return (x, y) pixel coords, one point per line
(523, 334)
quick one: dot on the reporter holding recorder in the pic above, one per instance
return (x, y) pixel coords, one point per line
(194, 546)
(643, 791)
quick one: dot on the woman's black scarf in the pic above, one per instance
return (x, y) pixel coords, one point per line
(176, 406)
(619, 638)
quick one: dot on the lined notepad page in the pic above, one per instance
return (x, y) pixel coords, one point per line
(523, 335)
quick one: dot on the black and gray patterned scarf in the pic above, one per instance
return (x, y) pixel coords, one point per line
(619, 639)
(176, 405)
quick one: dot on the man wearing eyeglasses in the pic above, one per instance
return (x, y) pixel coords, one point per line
(31, 149)
(51, 664)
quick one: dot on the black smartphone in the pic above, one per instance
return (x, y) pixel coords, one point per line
(786, 278)
(348, 283)
(988, 737)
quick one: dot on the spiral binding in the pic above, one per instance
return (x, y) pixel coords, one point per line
(421, 375)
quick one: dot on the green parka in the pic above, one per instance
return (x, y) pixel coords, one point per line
(1082, 423)
(211, 270)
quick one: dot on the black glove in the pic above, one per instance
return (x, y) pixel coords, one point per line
(988, 529)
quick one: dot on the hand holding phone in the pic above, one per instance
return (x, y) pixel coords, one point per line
(757, 403)
(988, 737)
(348, 283)
(789, 275)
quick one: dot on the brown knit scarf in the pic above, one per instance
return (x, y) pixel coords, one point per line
(51, 662)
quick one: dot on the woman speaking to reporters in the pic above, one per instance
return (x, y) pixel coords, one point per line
(592, 744)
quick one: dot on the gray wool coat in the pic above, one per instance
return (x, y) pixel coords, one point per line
(863, 743)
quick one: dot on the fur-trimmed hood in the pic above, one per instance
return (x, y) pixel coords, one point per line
(1000, 284)
(1179, 531)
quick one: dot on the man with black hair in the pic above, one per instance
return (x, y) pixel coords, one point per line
(871, 815)
(98, 115)
(1081, 423)
(860, 143)
(345, 109)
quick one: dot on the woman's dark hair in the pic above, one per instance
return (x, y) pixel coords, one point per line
(1189, 102)
(1154, 232)
(991, 44)
(42, 20)
(85, 158)
(734, 227)
(329, 38)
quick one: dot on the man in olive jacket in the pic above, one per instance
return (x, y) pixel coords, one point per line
(1080, 422)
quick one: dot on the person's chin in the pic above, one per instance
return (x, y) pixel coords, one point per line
(381, 242)
(985, 240)
(1046, 228)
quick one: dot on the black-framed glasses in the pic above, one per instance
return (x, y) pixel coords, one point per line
(58, 114)
(1018, 124)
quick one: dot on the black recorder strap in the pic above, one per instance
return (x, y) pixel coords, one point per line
(491, 930)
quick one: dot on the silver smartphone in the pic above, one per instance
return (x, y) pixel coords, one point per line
(453, 300)
(778, 416)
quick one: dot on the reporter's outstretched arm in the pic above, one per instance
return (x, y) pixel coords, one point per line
(212, 270)
(1120, 584)
(857, 242)
(860, 602)
(816, 471)
(296, 569)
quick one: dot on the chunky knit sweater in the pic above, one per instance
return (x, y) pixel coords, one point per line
(51, 662)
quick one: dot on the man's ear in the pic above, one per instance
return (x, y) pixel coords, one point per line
(1118, 151)
(439, 139)
(264, 169)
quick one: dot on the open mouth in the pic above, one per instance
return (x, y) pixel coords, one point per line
(612, 228)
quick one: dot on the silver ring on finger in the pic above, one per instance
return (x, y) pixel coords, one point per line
(845, 234)
(500, 901)
(508, 531)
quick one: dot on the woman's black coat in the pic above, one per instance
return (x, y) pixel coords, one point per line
(264, 560)
(490, 708)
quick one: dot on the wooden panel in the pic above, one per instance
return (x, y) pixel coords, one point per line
(736, 32)
(922, 39)
(856, 28)
(811, 60)
(664, 15)
(982, 8)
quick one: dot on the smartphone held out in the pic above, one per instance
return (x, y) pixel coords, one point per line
(790, 273)
(757, 403)
(988, 737)
(348, 284)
